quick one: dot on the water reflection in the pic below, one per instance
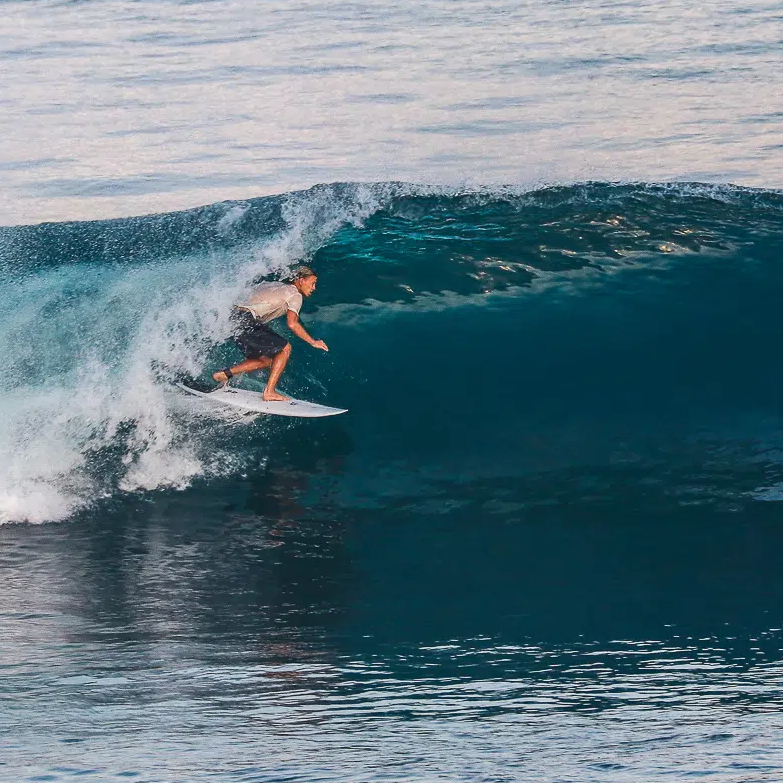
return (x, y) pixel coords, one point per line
(245, 627)
(605, 555)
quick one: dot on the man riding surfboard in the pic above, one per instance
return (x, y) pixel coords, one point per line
(262, 347)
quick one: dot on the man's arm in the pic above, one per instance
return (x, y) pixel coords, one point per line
(295, 325)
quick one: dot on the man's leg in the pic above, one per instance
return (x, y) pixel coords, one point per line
(249, 365)
(278, 365)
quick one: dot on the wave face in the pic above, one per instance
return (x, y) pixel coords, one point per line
(503, 349)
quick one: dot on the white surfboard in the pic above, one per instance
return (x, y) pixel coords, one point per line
(254, 402)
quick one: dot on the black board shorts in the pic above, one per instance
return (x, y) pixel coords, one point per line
(254, 338)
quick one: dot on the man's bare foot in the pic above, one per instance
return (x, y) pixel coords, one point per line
(273, 396)
(220, 376)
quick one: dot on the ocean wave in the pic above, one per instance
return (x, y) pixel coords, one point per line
(624, 297)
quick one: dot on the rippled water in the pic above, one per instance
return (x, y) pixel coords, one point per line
(544, 544)
(218, 647)
(190, 642)
(116, 108)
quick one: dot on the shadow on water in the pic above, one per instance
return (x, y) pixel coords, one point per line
(573, 560)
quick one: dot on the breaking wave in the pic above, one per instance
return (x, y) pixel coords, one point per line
(472, 333)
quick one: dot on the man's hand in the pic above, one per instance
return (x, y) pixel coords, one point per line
(296, 327)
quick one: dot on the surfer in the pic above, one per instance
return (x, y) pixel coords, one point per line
(262, 347)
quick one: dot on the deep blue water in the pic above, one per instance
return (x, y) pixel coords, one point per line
(544, 543)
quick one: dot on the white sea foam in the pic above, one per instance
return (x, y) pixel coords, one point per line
(90, 414)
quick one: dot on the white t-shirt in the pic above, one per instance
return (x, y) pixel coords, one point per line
(271, 300)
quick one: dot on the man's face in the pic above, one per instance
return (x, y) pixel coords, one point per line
(307, 285)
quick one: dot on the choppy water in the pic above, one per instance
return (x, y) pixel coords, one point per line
(116, 107)
(544, 544)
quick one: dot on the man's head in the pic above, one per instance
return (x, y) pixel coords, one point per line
(304, 280)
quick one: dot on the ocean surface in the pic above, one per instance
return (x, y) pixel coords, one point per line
(545, 543)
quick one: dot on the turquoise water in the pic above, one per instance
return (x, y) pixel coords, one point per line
(544, 544)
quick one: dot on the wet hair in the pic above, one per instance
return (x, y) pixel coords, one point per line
(299, 272)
